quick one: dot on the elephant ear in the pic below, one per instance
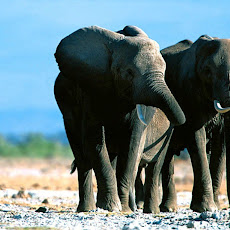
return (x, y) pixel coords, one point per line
(133, 31)
(194, 56)
(84, 55)
(206, 45)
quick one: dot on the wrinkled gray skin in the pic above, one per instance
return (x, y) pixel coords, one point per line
(156, 137)
(158, 134)
(103, 76)
(216, 152)
(227, 143)
(197, 74)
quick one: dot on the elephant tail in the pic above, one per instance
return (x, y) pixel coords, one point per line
(73, 166)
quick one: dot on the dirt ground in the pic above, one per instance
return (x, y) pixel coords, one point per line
(54, 174)
(30, 185)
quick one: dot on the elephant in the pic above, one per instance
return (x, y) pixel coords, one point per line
(198, 76)
(103, 76)
(227, 146)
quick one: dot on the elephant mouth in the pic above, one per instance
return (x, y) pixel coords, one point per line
(219, 108)
(126, 94)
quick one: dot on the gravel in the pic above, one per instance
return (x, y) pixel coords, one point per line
(58, 212)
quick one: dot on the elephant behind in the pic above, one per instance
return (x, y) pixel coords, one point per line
(198, 75)
(103, 76)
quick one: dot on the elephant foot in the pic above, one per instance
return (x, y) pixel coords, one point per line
(140, 204)
(216, 200)
(86, 207)
(168, 206)
(203, 206)
(110, 203)
(150, 209)
(126, 209)
(217, 204)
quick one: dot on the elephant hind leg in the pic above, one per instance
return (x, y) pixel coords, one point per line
(169, 199)
(151, 201)
(139, 189)
(84, 168)
(86, 197)
(69, 98)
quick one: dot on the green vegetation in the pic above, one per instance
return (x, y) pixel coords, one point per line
(34, 146)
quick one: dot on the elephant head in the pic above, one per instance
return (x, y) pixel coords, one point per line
(98, 60)
(212, 69)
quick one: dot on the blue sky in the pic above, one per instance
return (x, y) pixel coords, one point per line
(31, 31)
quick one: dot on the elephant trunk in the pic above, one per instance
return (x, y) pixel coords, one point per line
(155, 92)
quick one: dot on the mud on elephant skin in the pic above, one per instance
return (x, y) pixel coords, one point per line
(198, 76)
(103, 76)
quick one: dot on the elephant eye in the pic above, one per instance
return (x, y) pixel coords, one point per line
(207, 72)
(130, 72)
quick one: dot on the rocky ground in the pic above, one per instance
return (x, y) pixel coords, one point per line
(42, 194)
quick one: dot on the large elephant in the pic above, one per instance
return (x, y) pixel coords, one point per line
(103, 76)
(198, 76)
(227, 143)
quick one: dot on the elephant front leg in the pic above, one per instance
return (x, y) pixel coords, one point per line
(124, 185)
(217, 163)
(227, 142)
(127, 165)
(202, 195)
(169, 199)
(107, 196)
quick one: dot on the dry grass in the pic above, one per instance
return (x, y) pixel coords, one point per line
(54, 174)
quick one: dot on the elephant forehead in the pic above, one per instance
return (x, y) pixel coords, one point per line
(143, 43)
(150, 60)
(225, 41)
(215, 52)
(222, 55)
(146, 57)
(225, 47)
(151, 45)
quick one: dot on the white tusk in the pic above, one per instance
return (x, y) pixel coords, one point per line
(140, 114)
(219, 108)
